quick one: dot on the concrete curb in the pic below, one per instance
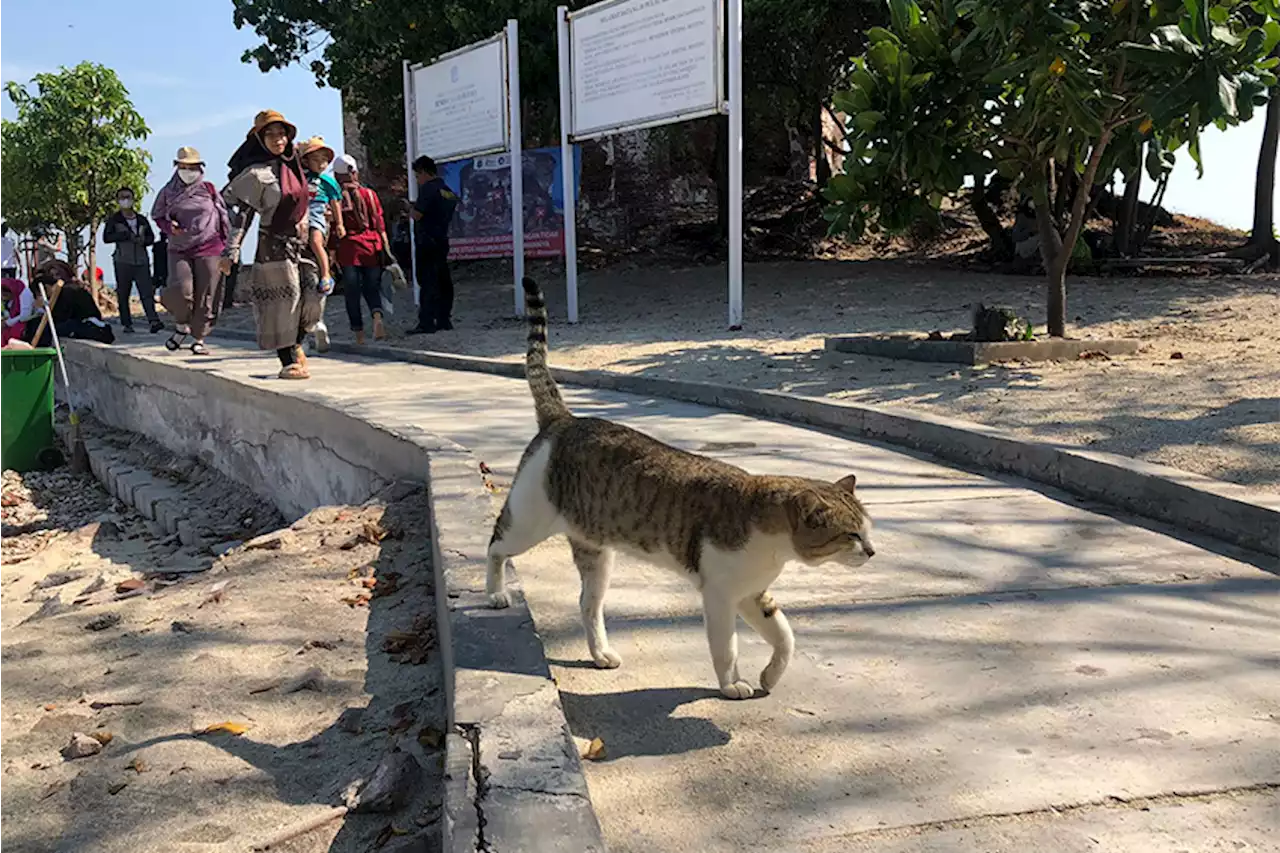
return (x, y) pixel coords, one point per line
(513, 779)
(151, 496)
(1226, 511)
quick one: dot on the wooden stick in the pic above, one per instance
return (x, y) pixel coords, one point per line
(301, 828)
(48, 312)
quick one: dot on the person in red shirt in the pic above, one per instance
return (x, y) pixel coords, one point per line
(363, 250)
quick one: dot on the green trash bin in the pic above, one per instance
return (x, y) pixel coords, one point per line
(26, 410)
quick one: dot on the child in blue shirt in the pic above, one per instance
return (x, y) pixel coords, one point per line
(325, 196)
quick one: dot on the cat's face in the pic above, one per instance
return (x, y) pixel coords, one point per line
(831, 525)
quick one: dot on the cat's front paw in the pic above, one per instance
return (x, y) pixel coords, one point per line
(500, 599)
(737, 690)
(607, 659)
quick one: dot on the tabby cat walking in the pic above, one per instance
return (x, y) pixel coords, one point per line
(610, 488)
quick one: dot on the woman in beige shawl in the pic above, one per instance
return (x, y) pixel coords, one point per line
(267, 180)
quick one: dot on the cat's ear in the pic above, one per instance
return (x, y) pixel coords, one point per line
(847, 483)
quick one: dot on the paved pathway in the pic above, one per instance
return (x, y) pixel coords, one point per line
(1013, 671)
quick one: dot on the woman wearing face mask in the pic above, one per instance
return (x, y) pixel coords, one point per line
(192, 213)
(267, 179)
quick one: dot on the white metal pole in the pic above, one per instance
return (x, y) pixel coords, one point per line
(517, 162)
(735, 164)
(566, 166)
(411, 143)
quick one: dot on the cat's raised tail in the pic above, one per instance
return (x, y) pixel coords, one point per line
(547, 402)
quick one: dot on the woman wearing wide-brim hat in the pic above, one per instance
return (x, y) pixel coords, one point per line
(266, 179)
(190, 210)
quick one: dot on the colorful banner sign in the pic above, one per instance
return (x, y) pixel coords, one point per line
(482, 223)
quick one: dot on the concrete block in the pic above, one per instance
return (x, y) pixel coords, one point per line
(167, 514)
(145, 498)
(975, 352)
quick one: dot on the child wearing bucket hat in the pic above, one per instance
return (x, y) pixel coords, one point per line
(325, 197)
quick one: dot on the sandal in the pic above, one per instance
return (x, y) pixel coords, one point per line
(294, 371)
(174, 343)
(198, 348)
(300, 356)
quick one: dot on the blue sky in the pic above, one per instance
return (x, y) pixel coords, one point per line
(181, 64)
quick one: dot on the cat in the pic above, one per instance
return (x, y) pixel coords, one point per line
(608, 487)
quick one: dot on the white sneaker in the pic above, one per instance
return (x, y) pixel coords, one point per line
(320, 338)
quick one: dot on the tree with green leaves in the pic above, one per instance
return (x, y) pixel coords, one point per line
(1040, 92)
(799, 54)
(68, 152)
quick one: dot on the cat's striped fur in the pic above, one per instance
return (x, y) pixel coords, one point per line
(608, 487)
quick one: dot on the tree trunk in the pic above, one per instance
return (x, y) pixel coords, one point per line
(1058, 294)
(1264, 188)
(821, 165)
(1126, 222)
(94, 287)
(1001, 240)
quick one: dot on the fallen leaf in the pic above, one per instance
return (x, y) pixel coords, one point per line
(50, 706)
(131, 585)
(227, 727)
(368, 583)
(312, 679)
(594, 750)
(387, 584)
(215, 594)
(373, 533)
(401, 718)
(103, 622)
(103, 738)
(1094, 355)
(360, 600)
(116, 787)
(137, 765)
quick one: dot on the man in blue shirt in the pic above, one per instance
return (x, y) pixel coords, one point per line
(432, 214)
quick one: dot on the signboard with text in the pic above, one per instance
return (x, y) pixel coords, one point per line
(482, 222)
(644, 62)
(460, 103)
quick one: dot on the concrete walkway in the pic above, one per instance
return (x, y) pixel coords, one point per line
(1013, 671)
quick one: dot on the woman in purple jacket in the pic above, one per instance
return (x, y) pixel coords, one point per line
(191, 212)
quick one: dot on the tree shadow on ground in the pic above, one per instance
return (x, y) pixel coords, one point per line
(397, 706)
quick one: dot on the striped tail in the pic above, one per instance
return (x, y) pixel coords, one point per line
(547, 402)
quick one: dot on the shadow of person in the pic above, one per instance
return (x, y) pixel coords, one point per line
(640, 722)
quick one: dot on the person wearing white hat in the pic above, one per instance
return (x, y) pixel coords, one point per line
(363, 250)
(190, 210)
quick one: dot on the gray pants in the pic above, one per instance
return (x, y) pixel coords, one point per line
(194, 293)
(128, 275)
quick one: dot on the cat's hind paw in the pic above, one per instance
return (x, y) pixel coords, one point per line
(772, 674)
(607, 659)
(737, 690)
(500, 599)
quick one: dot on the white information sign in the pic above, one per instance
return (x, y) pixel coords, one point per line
(460, 103)
(644, 62)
